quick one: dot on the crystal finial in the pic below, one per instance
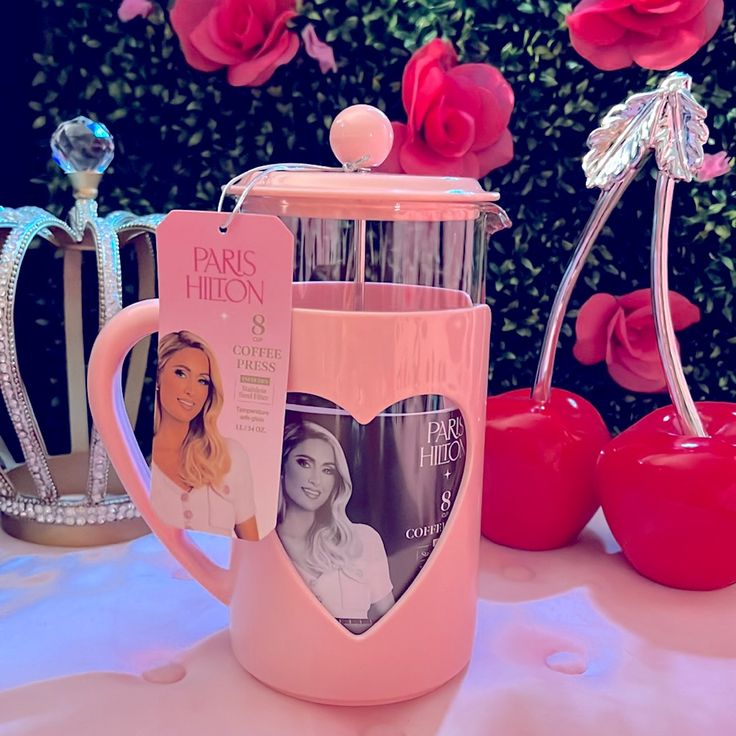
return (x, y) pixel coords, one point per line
(82, 145)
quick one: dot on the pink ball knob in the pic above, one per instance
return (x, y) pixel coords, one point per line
(361, 135)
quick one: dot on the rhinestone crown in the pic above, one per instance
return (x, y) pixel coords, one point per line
(81, 147)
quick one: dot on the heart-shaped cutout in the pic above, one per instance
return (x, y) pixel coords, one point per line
(363, 505)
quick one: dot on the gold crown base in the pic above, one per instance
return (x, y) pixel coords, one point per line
(58, 535)
(69, 520)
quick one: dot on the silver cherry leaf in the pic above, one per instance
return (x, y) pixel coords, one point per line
(681, 131)
(622, 140)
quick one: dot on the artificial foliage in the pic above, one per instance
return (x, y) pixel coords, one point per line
(181, 134)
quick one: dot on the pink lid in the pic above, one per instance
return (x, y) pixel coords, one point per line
(361, 136)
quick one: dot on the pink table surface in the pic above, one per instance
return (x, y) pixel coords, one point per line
(119, 640)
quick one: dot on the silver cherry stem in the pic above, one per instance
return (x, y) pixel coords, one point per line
(605, 204)
(682, 399)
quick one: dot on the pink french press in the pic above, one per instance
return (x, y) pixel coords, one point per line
(388, 371)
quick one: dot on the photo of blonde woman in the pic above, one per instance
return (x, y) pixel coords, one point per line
(343, 563)
(199, 479)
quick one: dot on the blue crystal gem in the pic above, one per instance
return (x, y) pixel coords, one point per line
(82, 145)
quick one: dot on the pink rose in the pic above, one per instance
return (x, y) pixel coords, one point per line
(620, 330)
(249, 37)
(457, 116)
(714, 164)
(130, 9)
(655, 34)
(319, 50)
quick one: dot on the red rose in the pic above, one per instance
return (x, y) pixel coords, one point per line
(655, 34)
(458, 116)
(620, 330)
(249, 37)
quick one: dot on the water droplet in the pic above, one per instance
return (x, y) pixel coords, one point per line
(518, 573)
(167, 674)
(383, 729)
(568, 663)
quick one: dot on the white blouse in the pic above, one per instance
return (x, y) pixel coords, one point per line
(349, 592)
(207, 508)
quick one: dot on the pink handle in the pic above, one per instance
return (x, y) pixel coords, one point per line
(106, 402)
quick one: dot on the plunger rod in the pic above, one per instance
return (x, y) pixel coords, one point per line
(360, 262)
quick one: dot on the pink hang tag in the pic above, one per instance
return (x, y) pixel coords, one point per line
(223, 361)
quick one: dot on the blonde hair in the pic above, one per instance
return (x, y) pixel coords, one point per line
(205, 459)
(331, 541)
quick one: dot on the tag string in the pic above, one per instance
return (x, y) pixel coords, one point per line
(260, 173)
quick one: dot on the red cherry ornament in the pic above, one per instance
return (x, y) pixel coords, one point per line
(670, 499)
(540, 459)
